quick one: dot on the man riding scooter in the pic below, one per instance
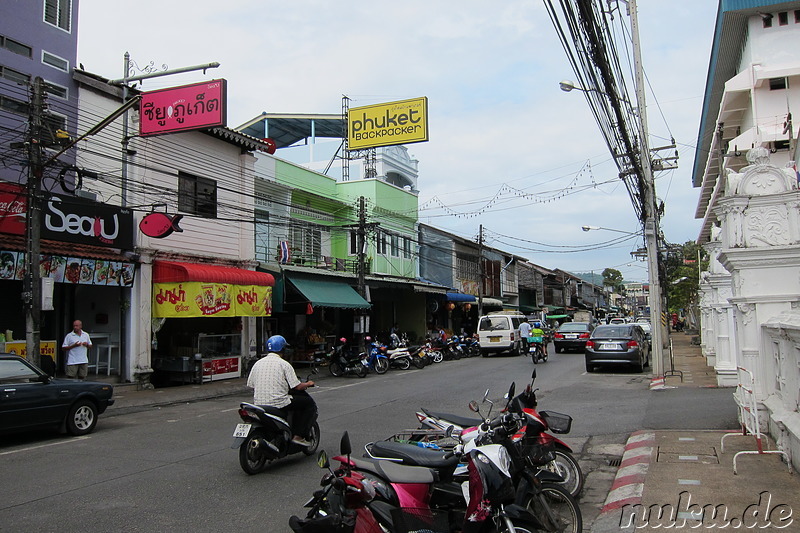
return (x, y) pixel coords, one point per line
(273, 380)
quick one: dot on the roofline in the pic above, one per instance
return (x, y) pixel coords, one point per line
(308, 116)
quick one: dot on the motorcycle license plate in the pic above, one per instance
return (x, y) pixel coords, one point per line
(242, 430)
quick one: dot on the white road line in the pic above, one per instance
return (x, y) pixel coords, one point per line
(29, 448)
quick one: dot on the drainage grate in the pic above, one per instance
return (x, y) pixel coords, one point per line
(615, 461)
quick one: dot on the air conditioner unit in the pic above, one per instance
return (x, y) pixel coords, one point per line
(86, 194)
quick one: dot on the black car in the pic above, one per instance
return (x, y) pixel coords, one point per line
(617, 344)
(572, 336)
(30, 399)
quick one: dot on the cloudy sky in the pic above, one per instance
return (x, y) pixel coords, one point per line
(508, 150)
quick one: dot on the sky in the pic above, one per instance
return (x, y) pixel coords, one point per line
(507, 150)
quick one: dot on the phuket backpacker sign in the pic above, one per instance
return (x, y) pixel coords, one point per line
(401, 122)
(189, 107)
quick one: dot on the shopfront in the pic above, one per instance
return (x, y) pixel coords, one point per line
(198, 329)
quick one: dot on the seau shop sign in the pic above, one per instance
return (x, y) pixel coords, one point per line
(72, 219)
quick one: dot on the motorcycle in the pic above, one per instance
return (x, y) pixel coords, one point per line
(537, 349)
(470, 345)
(376, 360)
(562, 463)
(343, 361)
(452, 349)
(266, 435)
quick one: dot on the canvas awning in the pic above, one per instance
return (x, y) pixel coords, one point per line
(174, 272)
(492, 302)
(459, 297)
(327, 293)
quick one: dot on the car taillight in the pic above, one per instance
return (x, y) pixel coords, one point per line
(633, 344)
(584, 336)
(558, 336)
(590, 344)
(512, 337)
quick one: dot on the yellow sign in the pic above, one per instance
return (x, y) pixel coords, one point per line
(401, 122)
(21, 348)
(198, 299)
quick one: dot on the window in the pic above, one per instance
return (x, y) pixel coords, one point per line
(783, 18)
(58, 13)
(406, 248)
(353, 238)
(55, 61)
(776, 84)
(380, 243)
(53, 123)
(14, 75)
(197, 195)
(56, 90)
(395, 242)
(306, 242)
(14, 105)
(766, 19)
(796, 16)
(262, 235)
(16, 46)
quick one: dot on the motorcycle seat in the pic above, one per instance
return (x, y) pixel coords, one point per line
(267, 411)
(462, 421)
(412, 455)
(396, 473)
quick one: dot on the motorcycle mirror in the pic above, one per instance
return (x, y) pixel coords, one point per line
(486, 395)
(449, 431)
(473, 406)
(344, 445)
(322, 460)
(511, 390)
(533, 375)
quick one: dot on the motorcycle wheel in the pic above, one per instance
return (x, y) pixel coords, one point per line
(555, 507)
(418, 362)
(438, 356)
(361, 371)
(336, 370)
(381, 365)
(456, 355)
(251, 459)
(404, 364)
(313, 439)
(567, 467)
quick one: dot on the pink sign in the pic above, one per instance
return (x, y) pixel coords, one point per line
(189, 107)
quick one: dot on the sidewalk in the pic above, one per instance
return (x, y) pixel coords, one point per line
(683, 480)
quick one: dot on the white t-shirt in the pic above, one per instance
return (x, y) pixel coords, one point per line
(525, 330)
(79, 354)
(271, 378)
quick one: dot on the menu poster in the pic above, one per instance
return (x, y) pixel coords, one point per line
(126, 277)
(8, 265)
(58, 265)
(72, 274)
(44, 265)
(114, 272)
(100, 272)
(87, 271)
(21, 267)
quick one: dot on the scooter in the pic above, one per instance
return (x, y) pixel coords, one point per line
(343, 361)
(537, 350)
(266, 435)
(376, 360)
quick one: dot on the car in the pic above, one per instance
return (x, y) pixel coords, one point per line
(500, 333)
(617, 320)
(572, 336)
(31, 399)
(617, 344)
(648, 332)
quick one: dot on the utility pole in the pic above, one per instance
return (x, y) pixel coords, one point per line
(480, 271)
(651, 226)
(32, 292)
(361, 238)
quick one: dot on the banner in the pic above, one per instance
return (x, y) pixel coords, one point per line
(388, 124)
(20, 348)
(193, 299)
(189, 107)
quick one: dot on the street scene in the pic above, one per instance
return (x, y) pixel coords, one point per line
(384, 268)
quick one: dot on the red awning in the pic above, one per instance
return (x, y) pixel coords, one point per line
(172, 272)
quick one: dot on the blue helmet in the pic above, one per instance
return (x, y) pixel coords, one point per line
(537, 324)
(276, 343)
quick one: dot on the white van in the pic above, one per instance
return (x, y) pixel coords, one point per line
(500, 333)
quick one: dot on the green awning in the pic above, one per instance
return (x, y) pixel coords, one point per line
(327, 293)
(556, 317)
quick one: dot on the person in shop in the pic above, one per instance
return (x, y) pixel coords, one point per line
(76, 345)
(273, 381)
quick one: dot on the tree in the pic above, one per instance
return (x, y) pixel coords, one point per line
(682, 276)
(613, 278)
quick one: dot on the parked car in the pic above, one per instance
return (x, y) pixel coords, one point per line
(648, 332)
(500, 333)
(30, 399)
(617, 320)
(572, 336)
(617, 344)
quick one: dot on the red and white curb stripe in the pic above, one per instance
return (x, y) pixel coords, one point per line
(659, 382)
(629, 483)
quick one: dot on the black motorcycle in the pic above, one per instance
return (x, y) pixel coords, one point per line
(266, 435)
(344, 361)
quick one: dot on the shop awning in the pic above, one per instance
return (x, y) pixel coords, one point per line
(174, 272)
(326, 293)
(459, 297)
(492, 302)
(556, 317)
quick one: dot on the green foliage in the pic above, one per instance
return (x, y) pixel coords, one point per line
(613, 278)
(682, 275)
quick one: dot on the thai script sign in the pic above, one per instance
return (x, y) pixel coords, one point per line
(189, 107)
(75, 270)
(20, 348)
(13, 206)
(73, 219)
(197, 299)
(402, 122)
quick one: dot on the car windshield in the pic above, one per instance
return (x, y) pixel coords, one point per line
(15, 371)
(611, 331)
(574, 326)
(493, 323)
(645, 326)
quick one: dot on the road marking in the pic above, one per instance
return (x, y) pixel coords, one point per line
(686, 438)
(73, 439)
(688, 482)
(229, 410)
(687, 457)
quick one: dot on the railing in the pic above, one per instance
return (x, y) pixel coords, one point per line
(748, 416)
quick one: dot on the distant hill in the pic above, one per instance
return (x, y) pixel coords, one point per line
(587, 276)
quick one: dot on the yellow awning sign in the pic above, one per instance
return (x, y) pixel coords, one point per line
(198, 299)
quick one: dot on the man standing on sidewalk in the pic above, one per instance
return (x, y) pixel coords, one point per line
(76, 345)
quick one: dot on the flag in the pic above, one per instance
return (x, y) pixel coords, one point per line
(285, 255)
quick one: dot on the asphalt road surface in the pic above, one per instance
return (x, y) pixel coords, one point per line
(172, 468)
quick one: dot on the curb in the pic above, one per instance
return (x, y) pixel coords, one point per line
(658, 383)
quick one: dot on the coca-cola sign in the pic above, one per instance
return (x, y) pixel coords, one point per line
(13, 206)
(73, 219)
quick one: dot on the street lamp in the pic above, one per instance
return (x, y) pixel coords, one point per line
(591, 228)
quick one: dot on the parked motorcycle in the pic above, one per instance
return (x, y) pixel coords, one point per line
(344, 361)
(452, 349)
(266, 435)
(376, 357)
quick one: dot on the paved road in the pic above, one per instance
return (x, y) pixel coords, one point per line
(171, 468)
